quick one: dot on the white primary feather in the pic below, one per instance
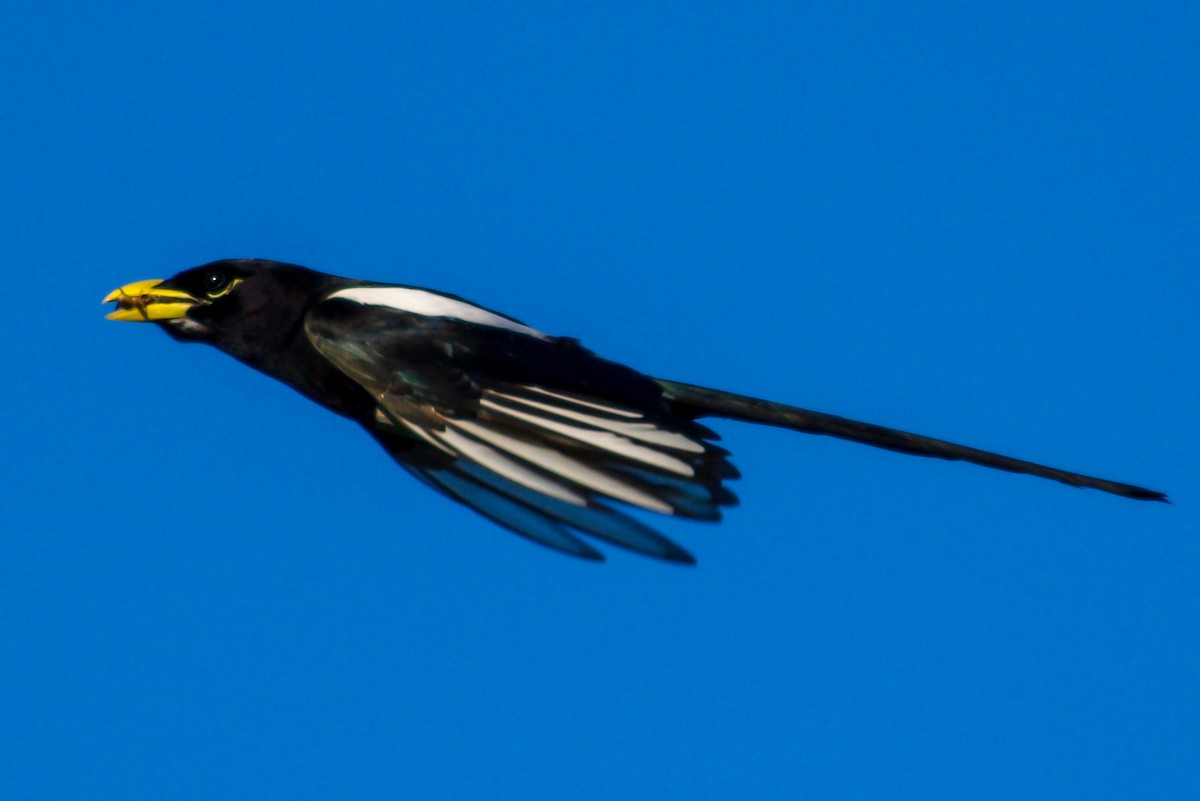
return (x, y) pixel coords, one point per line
(604, 440)
(617, 410)
(564, 465)
(491, 459)
(643, 431)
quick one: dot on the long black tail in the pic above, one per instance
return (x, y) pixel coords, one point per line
(696, 401)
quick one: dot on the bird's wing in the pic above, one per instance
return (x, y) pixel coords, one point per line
(529, 430)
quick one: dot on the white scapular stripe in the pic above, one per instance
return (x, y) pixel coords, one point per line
(645, 432)
(604, 440)
(430, 304)
(491, 459)
(565, 466)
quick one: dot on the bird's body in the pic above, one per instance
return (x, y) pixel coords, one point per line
(533, 431)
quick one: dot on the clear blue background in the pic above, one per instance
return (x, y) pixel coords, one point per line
(979, 224)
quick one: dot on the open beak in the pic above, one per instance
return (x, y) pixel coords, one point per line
(148, 301)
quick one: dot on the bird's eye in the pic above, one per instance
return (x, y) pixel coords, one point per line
(214, 282)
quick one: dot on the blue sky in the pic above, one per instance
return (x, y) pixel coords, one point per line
(977, 223)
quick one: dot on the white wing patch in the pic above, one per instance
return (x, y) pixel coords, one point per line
(577, 401)
(430, 304)
(601, 440)
(561, 464)
(646, 432)
(609, 451)
(491, 459)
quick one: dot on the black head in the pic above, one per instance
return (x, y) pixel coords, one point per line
(245, 307)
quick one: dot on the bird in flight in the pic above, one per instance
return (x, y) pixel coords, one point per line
(533, 431)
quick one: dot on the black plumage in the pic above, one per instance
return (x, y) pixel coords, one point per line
(533, 431)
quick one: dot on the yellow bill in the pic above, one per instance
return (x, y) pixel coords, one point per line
(147, 301)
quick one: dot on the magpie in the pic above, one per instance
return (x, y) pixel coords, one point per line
(533, 431)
